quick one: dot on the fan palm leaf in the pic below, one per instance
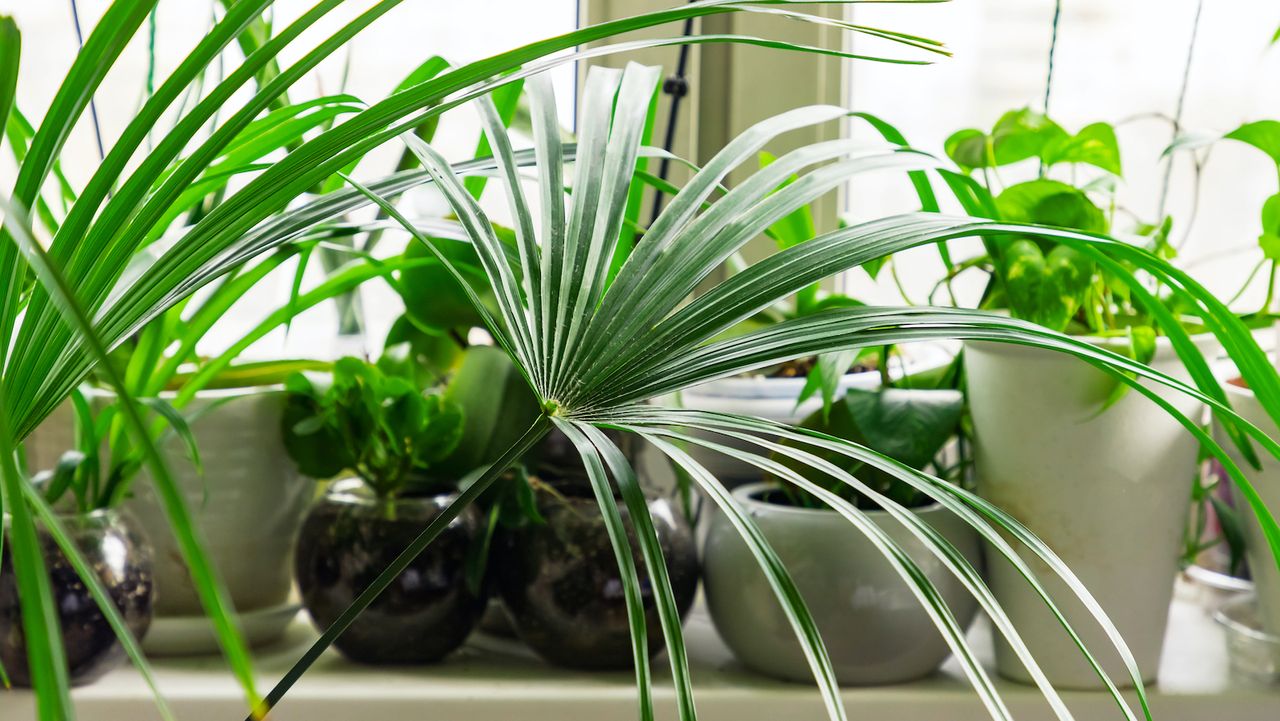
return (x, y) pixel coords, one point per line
(594, 352)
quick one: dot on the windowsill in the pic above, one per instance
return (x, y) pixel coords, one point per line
(498, 680)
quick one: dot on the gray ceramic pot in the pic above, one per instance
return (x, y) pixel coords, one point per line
(871, 623)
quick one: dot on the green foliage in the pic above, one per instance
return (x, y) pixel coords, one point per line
(1263, 135)
(382, 428)
(1016, 136)
(910, 426)
(1045, 289)
(1094, 145)
(496, 406)
(1025, 134)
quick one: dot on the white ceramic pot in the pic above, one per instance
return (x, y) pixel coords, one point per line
(248, 503)
(1262, 565)
(775, 399)
(871, 623)
(1107, 490)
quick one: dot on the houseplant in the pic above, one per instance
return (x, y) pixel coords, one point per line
(790, 392)
(568, 396)
(873, 629)
(1046, 426)
(387, 432)
(91, 249)
(112, 550)
(247, 497)
(558, 576)
(1260, 135)
(558, 323)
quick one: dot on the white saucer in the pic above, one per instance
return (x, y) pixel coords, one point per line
(193, 635)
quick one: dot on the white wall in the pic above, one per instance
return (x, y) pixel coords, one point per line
(1115, 60)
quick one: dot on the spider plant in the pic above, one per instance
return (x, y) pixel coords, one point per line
(65, 303)
(594, 347)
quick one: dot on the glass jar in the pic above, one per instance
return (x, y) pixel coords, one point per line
(350, 536)
(121, 556)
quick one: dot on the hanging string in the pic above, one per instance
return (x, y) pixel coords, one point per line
(93, 106)
(1048, 77)
(1177, 113)
(677, 87)
(1053, 49)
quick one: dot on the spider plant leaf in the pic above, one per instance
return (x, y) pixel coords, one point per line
(203, 575)
(42, 631)
(10, 55)
(655, 564)
(106, 605)
(96, 55)
(333, 286)
(784, 588)
(204, 318)
(468, 495)
(179, 426)
(111, 241)
(621, 543)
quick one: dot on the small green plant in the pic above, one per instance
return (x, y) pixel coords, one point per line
(381, 427)
(96, 473)
(913, 426)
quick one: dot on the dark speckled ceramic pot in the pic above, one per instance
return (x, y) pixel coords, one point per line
(122, 558)
(349, 537)
(561, 585)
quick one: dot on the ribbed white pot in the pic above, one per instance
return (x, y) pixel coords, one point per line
(1107, 490)
(1262, 564)
(248, 503)
(775, 399)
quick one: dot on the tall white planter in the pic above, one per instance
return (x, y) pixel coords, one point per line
(1107, 490)
(248, 503)
(1262, 565)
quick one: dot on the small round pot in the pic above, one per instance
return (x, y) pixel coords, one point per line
(350, 536)
(562, 589)
(248, 499)
(119, 553)
(874, 628)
